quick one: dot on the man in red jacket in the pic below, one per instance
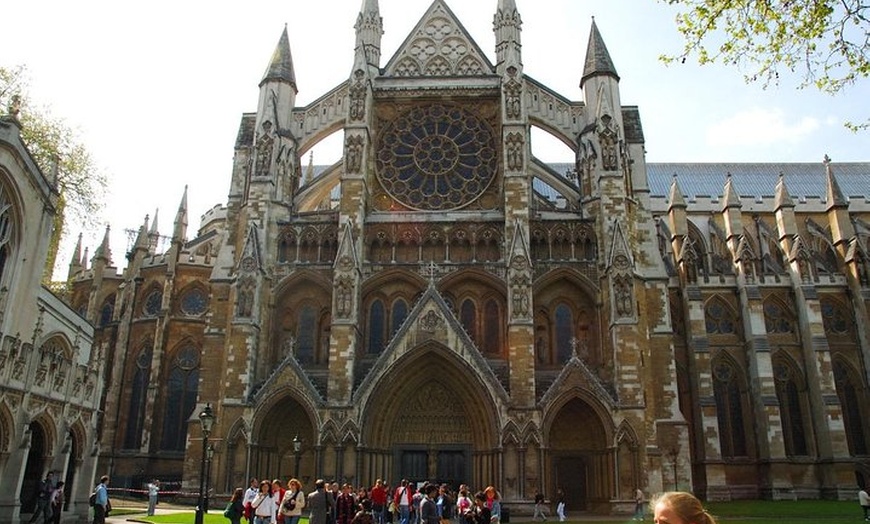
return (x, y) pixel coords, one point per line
(378, 496)
(402, 499)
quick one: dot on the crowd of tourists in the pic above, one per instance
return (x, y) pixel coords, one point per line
(273, 502)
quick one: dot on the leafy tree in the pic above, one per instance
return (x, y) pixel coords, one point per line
(827, 42)
(55, 146)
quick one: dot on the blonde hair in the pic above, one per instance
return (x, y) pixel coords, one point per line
(685, 505)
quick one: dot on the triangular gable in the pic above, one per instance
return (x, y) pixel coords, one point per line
(439, 46)
(432, 320)
(250, 261)
(576, 373)
(519, 248)
(346, 258)
(619, 249)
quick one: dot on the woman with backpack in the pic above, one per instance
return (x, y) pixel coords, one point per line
(293, 502)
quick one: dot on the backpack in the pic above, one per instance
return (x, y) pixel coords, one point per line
(92, 500)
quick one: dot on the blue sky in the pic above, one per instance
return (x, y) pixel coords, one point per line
(156, 89)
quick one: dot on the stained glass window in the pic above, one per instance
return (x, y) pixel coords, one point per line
(194, 302)
(138, 391)
(376, 327)
(181, 389)
(152, 303)
(436, 157)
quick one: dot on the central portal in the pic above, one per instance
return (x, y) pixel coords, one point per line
(444, 466)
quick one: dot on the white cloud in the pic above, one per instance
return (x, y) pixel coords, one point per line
(760, 127)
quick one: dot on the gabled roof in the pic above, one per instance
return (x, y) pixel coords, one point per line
(439, 45)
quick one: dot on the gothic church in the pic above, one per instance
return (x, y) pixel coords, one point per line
(442, 305)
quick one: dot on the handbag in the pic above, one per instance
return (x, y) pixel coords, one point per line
(230, 511)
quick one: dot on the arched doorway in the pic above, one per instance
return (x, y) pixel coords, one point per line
(282, 419)
(582, 462)
(34, 470)
(431, 418)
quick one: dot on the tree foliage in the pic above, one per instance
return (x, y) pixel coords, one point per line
(55, 145)
(827, 42)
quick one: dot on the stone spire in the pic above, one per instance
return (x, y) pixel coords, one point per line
(731, 198)
(281, 67)
(75, 265)
(369, 29)
(103, 252)
(782, 197)
(507, 26)
(142, 236)
(154, 234)
(179, 230)
(598, 60)
(833, 192)
(676, 195)
(308, 176)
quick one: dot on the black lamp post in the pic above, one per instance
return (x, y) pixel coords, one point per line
(209, 455)
(297, 449)
(206, 420)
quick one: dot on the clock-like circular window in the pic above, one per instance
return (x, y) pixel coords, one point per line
(436, 158)
(193, 303)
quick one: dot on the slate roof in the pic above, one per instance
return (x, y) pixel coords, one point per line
(758, 180)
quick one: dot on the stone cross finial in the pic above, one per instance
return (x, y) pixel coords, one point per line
(431, 271)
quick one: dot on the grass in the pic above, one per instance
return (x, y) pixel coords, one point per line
(740, 512)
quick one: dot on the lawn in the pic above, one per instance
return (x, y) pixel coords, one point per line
(741, 512)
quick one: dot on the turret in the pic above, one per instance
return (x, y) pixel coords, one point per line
(154, 234)
(103, 253)
(179, 229)
(369, 29)
(75, 264)
(842, 229)
(277, 99)
(507, 26)
(600, 82)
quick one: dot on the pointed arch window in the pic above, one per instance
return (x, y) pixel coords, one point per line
(492, 328)
(835, 318)
(306, 335)
(468, 317)
(777, 319)
(377, 323)
(400, 313)
(564, 331)
(153, 302)
(138, 392)
(851, 402)
(719, 318)
(6, 227)
(729, 410)
(107, 311)
(789, 395)
(181, 390)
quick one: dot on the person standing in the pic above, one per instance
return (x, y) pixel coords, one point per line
(57, 502)
(264, 504)
(293, 502)
(319, 503)
(539, 507)
(428, 507)
(153, 490)
(560, 504)
(250, 495)
(638, 504)
(379, 501)
(236, 507)
(43, 499)
(345, 506)
(864, 501)
(278, 494)
(403, 499)
(101, 500)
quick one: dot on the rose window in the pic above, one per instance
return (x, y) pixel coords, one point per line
(436, 158)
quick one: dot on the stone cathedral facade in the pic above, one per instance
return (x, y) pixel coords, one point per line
(442, 305)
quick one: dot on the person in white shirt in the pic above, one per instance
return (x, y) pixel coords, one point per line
(864, 500)
(264, 505)
(153, 490)
(250, 495)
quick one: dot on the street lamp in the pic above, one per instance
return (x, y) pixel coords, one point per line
(206, 420)
(209, 455)
(297, 449)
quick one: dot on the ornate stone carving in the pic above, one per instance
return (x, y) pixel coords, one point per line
(353, 151)
(265, 144)
(357, 109)
(520, 296)
(623, 296)
(515, 144)
(513, 91)
(431, 321)
(344, 297)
